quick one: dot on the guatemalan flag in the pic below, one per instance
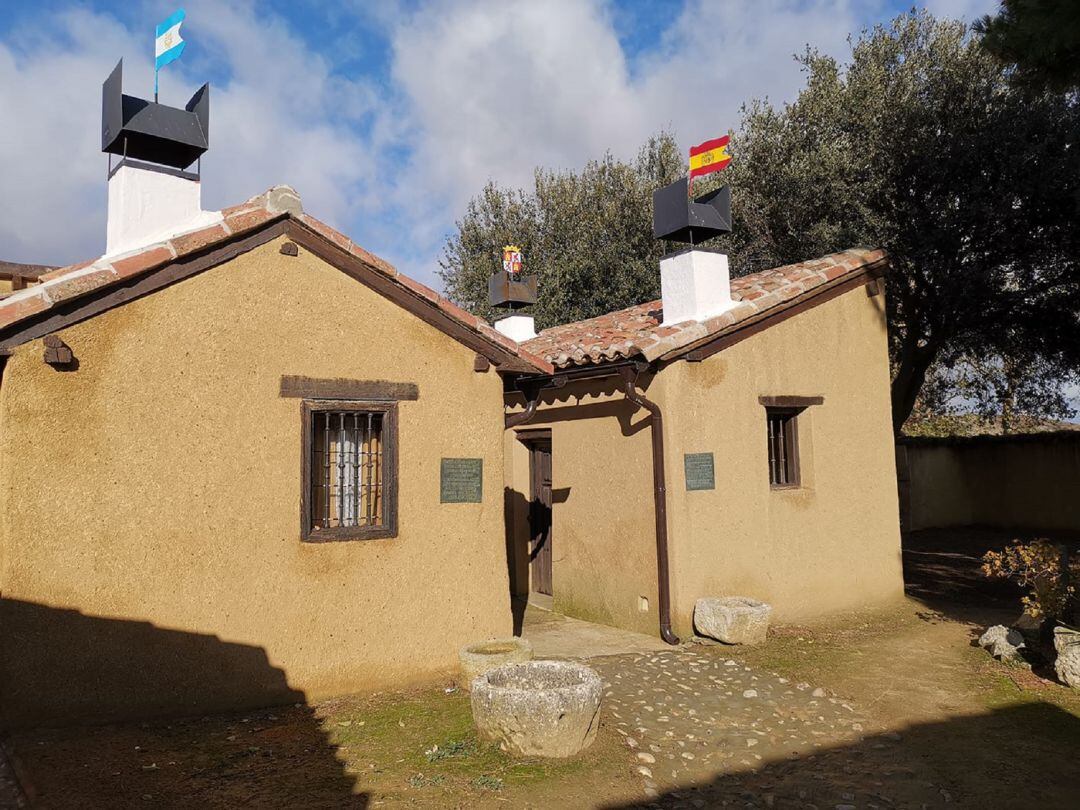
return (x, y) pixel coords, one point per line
(168, 45)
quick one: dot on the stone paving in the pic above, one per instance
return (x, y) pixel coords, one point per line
(708, 731)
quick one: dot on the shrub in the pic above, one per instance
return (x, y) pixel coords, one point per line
(1044, 568)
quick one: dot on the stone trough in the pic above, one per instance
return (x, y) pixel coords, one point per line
(538, 708)
(732, 619)
(476, 659)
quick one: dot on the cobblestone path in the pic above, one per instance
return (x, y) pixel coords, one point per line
(708, 731)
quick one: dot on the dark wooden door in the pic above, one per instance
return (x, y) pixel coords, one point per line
(540, 516)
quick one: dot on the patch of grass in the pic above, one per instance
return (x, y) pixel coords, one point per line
(426, 739)
(418, 780)
(485, 782)
(453, 748)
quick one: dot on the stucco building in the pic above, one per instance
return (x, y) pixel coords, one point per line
(776, 462)
(171, 421)
(244, 461)
(179, 427)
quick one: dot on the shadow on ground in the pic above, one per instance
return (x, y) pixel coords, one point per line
(942, 569)
(905, 768)
(61, 668)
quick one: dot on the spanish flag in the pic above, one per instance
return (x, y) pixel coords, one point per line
(709, 157)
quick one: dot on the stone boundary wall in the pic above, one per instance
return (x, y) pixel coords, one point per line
(1025, 481)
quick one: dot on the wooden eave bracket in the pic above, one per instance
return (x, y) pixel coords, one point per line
(57, 353)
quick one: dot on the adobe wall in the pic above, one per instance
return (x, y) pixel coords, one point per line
(834, 542)
(1028, 482)
(603, 545)
(150, 552)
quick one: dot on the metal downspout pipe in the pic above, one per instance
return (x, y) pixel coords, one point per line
(656, 427)
(515, 419)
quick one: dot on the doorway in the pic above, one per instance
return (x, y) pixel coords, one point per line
(539, 444)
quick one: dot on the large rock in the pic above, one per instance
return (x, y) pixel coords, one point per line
(1003, 643)
(732, 619)
(538, 708)
(476, 659)
(1067, 665)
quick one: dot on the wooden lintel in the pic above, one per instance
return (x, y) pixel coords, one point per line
(790, 402)
(295, 387)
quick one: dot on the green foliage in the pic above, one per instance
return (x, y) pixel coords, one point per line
(450, 749)
(919, 144)
(485, 782)
(1040, 37)
(586, 235)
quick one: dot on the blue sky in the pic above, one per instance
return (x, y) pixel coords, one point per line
(387, 117)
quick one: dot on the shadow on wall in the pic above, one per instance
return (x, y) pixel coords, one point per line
(965, 762)
(60, 667)
(516, 511)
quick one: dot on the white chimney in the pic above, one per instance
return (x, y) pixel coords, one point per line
(517, 327)
(149, 204)
(695, 285)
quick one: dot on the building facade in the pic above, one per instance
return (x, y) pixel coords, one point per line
(777, 455)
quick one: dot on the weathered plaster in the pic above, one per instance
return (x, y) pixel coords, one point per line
(160, 483)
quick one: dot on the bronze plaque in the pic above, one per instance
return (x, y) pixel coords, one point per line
(461, 480)
(699, 471)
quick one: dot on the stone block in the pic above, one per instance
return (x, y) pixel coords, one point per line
(1067, 665)
(732, 619)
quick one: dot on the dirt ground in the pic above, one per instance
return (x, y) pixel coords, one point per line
(938, 712)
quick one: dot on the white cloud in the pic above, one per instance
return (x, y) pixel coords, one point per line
(281, 116)
(478, 90)
(968, 10)
(495, 89)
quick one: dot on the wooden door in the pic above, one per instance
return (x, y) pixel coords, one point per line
(540, 516)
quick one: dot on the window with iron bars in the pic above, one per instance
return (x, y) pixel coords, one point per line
(783, 436)
(350, 481)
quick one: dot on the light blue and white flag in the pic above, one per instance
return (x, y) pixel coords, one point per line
(168, 44)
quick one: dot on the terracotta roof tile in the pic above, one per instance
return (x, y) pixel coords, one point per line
(197, 240)
(12, 311)
(143, 260)
(638, 331)
(280, 202)
(32, 271)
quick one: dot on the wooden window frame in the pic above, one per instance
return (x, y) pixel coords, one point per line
(389, 410)
(791, 444)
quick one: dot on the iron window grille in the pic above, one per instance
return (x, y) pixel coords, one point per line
(783, 435)
(350, 470)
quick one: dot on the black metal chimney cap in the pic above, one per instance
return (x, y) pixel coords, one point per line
(146, 130)
(678, 219)
(511, 291)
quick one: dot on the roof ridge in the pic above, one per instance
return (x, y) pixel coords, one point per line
(639, 329)
(279, 202)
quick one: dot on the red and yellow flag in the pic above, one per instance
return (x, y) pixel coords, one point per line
(709, 157)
